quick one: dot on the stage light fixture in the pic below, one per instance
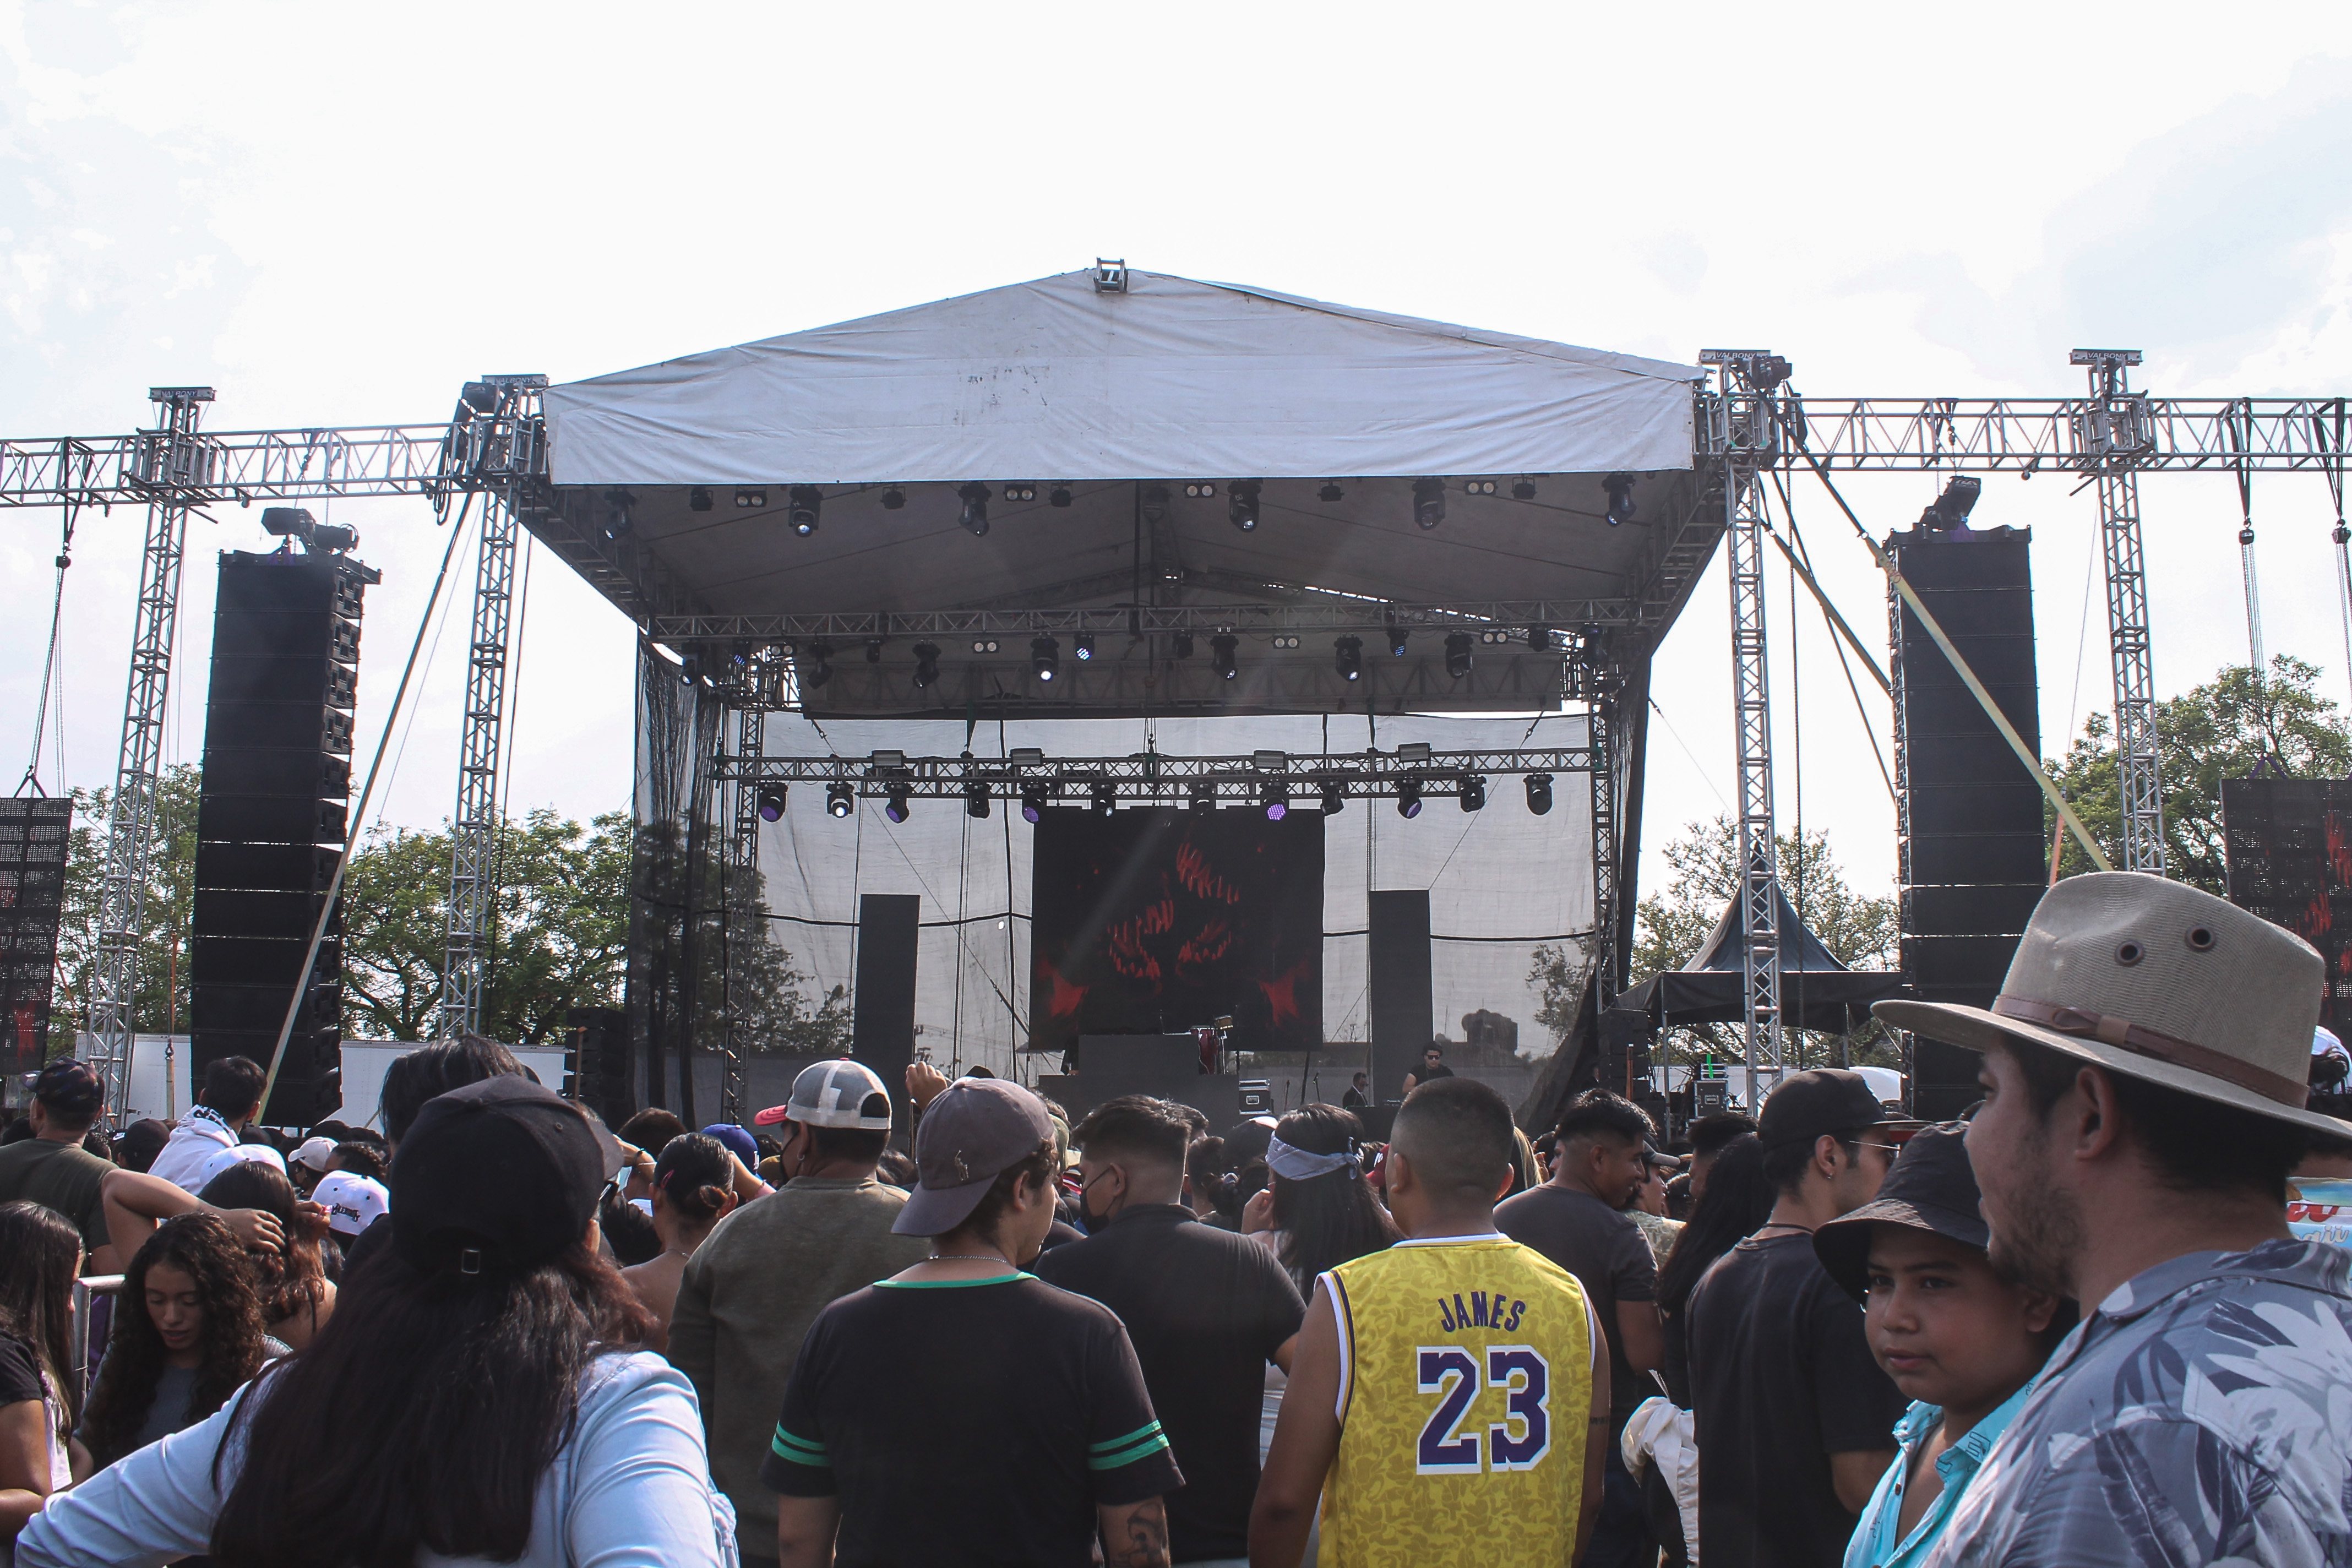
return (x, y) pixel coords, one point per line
(1539, 795)
(1539, 637)
(1457, 653)
(872, 650)
(291, 521)
(1621, 497)
(1523, 488)
(975, 799)
(1348, 652)
(1032, 802)
(1027, 756)
(1478, 486)
(1335, 797)
(1429, 503)
(840, 800)
(331, 539)
(897, 795)
(975, 509)
(1203, 796)
(1952, 508)
(1045, 657)
(1408, 798)
(1474, 793)
(801, 513)
(1412, 752)
(816, 665)
(1331, 492)
(1494, 635)
(1200, 489)
(1083, 645)
(1397, 636)
(617, 523)
(689, 668)
(698, 498)
(1104, 797)
(1221, 654)
(1274, 795)
(1058, 496)
(1284, 639)
(893, 499)
(1184, 645)
(772, 803)
(1242, 503)
(1020, 492)
(983, 645)
(751, 499)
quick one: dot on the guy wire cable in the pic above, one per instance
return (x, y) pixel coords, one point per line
(49, 666)
(351, 842)
(2242, 438)
(2332, 441)
(1834, 621)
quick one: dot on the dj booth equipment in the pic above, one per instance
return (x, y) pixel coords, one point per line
(1165, 1067)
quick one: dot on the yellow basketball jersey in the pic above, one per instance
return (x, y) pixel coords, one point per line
(1466, 1388)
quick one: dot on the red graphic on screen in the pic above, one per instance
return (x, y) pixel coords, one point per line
(1156, 921)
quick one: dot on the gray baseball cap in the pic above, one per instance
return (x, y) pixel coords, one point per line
(976, 1129)
(841, 1094)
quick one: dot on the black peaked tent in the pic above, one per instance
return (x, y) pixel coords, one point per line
(1817, 992)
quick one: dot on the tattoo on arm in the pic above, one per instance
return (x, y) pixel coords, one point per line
(1145, 1542)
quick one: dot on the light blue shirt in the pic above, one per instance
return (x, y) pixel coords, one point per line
(1874, 1544)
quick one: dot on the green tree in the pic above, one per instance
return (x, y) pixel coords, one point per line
(2227, 728)
(161, 997)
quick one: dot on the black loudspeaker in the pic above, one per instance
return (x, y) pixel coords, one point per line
(1402, 1001)
(33, 838)
(1624, 1064)
(598, 1041)
(882, 1026)
(271, 820)
(1975, 859)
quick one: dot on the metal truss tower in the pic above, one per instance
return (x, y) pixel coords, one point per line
(1607, 978)
(170, 463)
(740, 874)
(2112, 433)
(1752, 419)
(495, 437)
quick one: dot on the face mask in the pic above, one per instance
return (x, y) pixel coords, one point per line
(1087, 1203)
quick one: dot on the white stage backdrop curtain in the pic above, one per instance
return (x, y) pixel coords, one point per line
(1502, 881)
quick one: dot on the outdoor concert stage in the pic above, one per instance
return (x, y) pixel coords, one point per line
(1113, 541)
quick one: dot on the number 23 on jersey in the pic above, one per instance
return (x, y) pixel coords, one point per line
(1449, 1445)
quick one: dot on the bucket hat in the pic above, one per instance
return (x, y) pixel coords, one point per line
(2155, 981)
(1932, 1187)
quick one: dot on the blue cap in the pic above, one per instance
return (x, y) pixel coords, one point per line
(740, 1143)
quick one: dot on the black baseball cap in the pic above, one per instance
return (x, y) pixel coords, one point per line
(497, 1176)
(1930, 1187)
(70, 1088)
(1821, 1101)
(976, 1129)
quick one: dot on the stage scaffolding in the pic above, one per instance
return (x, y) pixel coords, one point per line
(1748, 423)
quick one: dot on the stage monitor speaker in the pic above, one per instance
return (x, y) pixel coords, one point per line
(1403, 1004)
(598, 1042)
(882, 1030)
(1974, 852)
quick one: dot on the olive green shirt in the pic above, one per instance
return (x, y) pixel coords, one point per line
(750, 1292)
(62, 1176)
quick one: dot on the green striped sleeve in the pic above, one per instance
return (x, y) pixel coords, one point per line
(799, 1450)
(1119, 1452)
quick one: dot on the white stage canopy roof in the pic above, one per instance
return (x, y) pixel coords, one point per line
(1055, 380)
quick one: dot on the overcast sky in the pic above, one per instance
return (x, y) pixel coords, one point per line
(336, 215)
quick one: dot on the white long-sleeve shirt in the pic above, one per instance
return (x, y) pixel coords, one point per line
(630, 1489)
(200, 1135)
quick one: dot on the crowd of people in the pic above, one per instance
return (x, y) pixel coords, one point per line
(2074, 1327)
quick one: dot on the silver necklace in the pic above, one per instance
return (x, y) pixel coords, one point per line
(969, 1258)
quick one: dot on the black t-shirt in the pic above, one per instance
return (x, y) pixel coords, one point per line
(1782, 1378)
(968, 1423)
(1205, 1310)
(20, 1372)
(1609, 1257)
(1422, 1075)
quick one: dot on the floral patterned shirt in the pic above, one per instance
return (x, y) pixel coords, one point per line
(2202, 1416)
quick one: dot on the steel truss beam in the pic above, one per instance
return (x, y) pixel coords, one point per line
(1147, 775)
(174, 458)
(494, 440)
(1554, 622)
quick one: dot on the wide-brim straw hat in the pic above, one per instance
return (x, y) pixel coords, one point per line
(2159, 981)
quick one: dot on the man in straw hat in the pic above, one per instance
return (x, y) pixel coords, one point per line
(2144, 1074)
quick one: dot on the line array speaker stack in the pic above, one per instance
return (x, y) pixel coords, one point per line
(270, 823)
(33, 836)
(599, 1040)
(1975, 859)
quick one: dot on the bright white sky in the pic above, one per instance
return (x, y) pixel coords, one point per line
(336, 215)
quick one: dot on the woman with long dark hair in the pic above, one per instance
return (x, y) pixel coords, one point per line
(479, 1395)
(297, 1296)
(37, 1394)
(1318, 1212)
(693, 1192)
(187, 1334)
(1737, 1199)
